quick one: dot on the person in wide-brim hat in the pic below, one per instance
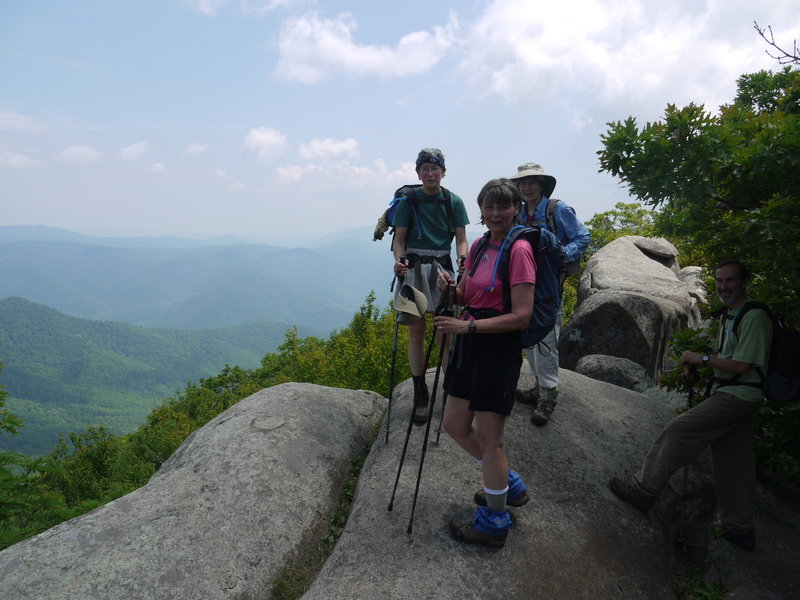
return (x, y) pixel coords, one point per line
(533, 169)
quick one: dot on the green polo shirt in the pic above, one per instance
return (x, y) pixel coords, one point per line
(751, 345)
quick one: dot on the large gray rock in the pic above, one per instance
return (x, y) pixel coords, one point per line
(237, 501)
(613, 369)
(632, 298)
(250, 492)
(573, 540)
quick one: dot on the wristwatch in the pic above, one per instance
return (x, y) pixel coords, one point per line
(472, 328)
(706, 358)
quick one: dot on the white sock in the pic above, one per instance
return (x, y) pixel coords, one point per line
(496, 499)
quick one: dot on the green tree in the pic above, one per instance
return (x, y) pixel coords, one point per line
(729, 183)
(625, 219)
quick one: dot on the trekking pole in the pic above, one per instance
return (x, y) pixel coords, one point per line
(681, 541)
(450, 299)
(394, 356)
(463, 259)
(411, 419)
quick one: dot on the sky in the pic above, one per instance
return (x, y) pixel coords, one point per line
(281, 121)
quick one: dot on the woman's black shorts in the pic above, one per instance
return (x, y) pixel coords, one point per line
(484, 369)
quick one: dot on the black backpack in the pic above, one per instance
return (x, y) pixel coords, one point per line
(386, 220)
(550, 265)
(781, 382)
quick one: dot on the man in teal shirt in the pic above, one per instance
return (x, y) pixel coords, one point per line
(724, 421)
(421, 247)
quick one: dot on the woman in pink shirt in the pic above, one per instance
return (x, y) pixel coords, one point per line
(484, 365)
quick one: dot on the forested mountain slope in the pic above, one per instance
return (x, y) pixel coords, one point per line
(64, 373)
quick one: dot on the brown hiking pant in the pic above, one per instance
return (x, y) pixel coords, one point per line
(725, 424)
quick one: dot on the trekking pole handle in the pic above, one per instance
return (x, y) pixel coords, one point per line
(403, 260)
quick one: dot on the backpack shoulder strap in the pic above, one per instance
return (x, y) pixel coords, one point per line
(748, 306)
(505, 256)
(448, 206)
(478, 251)
(551, 214)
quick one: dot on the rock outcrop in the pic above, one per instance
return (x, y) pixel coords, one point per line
(237, 501)
(632, 298)
(250, 491)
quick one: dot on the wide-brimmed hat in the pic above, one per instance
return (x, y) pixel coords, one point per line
(410, 305)
(533, 169)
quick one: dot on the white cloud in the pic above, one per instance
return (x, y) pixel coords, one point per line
(221, 173)
(15, 122)
(248, 7)
(134, 151)
(312, 49)
(197, 148)
(236, 186)
(328, 148)
(17, 161)
(338, 173)
(269, 143)
(158, 168)
(79, 155)
(611, 52)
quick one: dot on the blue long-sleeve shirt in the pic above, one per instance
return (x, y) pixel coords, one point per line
(572, 234)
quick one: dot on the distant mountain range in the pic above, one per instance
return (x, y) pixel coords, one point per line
(187, 284)
(65, 374)
(97, 331)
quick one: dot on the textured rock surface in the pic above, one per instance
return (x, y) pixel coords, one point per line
(632, 298)
(221, 516)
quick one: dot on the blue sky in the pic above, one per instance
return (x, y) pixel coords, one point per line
(282, 120)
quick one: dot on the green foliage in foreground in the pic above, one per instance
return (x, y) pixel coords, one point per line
(93, 467)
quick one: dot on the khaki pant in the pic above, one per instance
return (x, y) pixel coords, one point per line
(724, 423)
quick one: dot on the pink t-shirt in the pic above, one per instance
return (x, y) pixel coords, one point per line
(522, 269)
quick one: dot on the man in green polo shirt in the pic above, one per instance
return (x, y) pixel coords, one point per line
(723, 421)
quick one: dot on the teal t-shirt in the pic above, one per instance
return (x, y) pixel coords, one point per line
(430, 229)
(751, 345)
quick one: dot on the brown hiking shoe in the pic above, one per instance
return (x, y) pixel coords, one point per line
(421, 399)
(632, 494)
(421, 414)
(487, 528)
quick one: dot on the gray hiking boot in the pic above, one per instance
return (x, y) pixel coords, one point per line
(529, 397)
(545, 407)
(631, 493)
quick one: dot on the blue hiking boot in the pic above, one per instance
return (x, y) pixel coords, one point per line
(517, 492)
(487, 527)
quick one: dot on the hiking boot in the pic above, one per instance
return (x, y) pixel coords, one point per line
(487, 527)
(632, 494)
(421, 399)
(516, 496)
(421, 414)
(529, 397)
(545, 407)
(746, 540)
